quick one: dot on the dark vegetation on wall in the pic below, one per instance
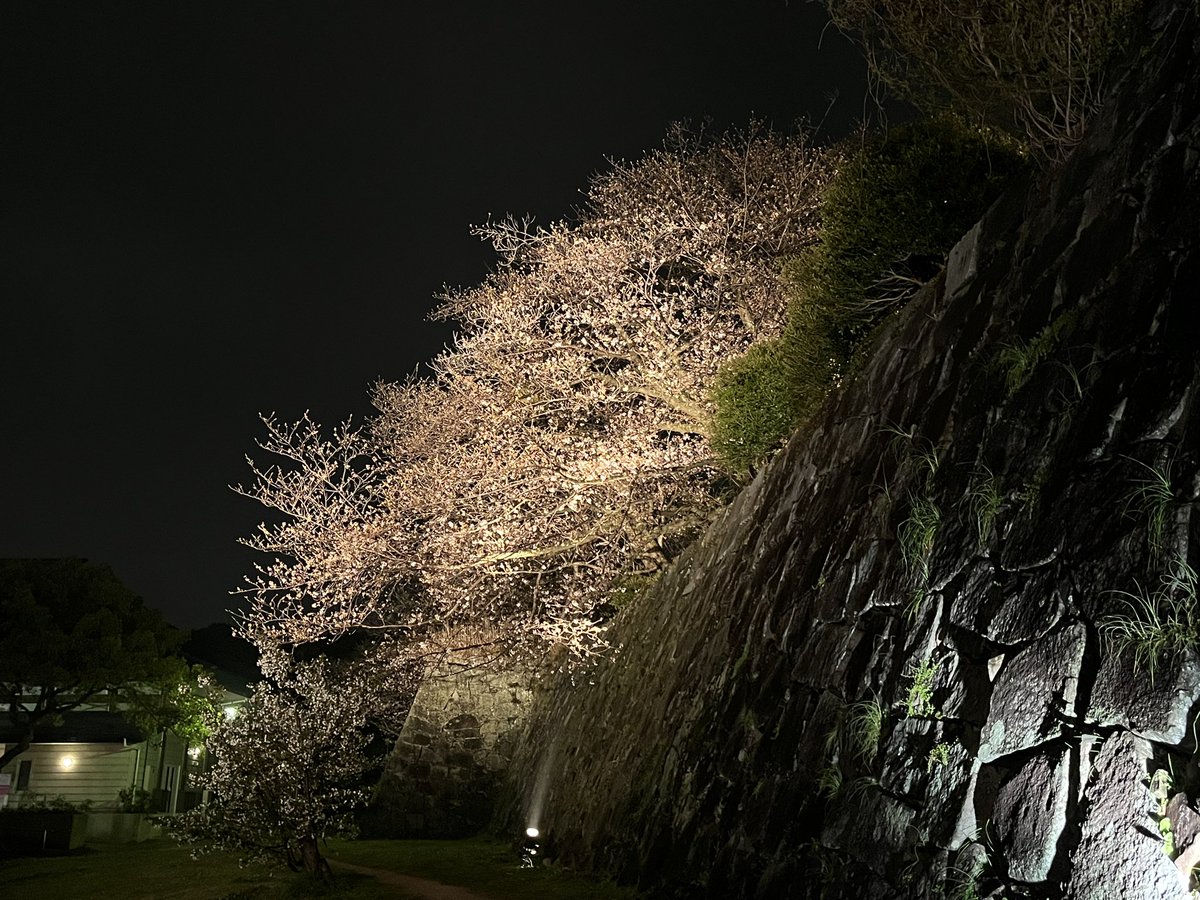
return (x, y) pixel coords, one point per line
(1036, 71)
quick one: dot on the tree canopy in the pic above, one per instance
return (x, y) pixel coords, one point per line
(71, 632)
(562, 443)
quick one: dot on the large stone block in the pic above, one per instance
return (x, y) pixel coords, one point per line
(1120, 852)
(1034, 694)
(1030, 813)
(1157, 709)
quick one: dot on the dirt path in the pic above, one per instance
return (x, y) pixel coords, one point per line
(411, 884)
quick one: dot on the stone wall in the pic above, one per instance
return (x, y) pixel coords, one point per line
(939, 552)
(440, 780)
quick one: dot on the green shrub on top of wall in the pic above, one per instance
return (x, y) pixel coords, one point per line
(754, 396)
(889, 217)
(893, 212)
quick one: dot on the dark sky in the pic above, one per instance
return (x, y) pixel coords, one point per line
(208, 210)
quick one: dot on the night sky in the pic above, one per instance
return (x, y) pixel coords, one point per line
(213, 209)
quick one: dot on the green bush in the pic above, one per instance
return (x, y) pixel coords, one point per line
(895, 208)
(893, 211)
(756, 399)
(46, 803)
(135, 799)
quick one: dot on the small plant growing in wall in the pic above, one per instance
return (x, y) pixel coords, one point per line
(1156, 627)
(939, 755)
(1160, 789)
(1075, 377)
(965, 879)
(916, 599)
(1030, 495)
(854, 735)
(972, 866)
(984, 499)
(1152, 500)
(864, 727)
(1018, 359)
(829, 867)
(859, 789)
(919, 702)
(829, 781)
(918, 532)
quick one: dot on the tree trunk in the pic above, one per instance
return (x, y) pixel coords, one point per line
(162, 766)
(310, 859)
(12, 751)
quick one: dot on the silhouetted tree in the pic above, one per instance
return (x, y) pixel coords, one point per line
(72, 633)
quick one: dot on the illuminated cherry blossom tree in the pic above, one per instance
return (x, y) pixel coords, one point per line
(295, 763)
(561, 444)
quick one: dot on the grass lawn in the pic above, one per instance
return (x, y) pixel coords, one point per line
(482, 864)
(163, 870)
